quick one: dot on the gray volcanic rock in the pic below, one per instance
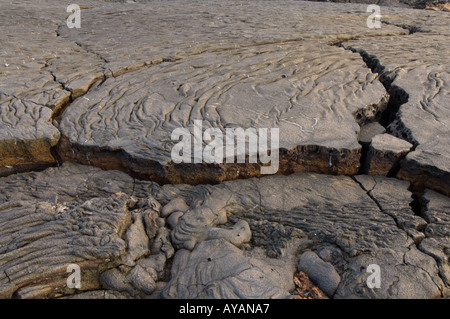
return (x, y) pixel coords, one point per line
(64, 184)
(385, 153)
(362, 220)
(40, 240)
(212, 26)
(348, 223)
(369, 131)
(396, 204)
(99, 294)
(429, 164)
(111, 93)
(80, 215)
(418, 21)
(418, 79)
(42, 75)
(44, 70)
(47, 69)
(39, 74)
(217, 269)
(281, 88)
(405, 274)
(260, 201)
(437, 232)
(419, 4)
(320, 272)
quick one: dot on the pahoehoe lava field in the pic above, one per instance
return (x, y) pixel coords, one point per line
(88, 176)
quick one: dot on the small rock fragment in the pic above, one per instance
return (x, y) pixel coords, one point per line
(385, 153)
(305, 288)
(322, 273)
(369, 131)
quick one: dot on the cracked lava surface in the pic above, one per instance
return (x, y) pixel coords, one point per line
(86, 117)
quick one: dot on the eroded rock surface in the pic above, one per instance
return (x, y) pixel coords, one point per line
(236, 239)
(84, 216)
(419, 79)
(40, 240)
(350, 224)
(437, 243)
(111, 93)
(385, 154)
(217, 269)
(40, 73)
(270, 46)
(136, 113)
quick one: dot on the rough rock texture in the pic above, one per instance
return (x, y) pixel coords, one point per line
(278, 84)
(110, 94)
(439, 6)
(385, 153)
(419, 4)
(78, 215)
(419, 77)
(350, 223)
(320, 272)
(305, 288)
(437, 232)
(39, 241)
(217, 269)
(128, 251)
(398, 204)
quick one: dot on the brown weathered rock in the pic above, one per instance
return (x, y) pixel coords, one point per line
(305, 288)
(438, 7)
(385, 153)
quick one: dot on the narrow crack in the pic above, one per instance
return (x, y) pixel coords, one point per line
(440, 288)
(6, 274)
(420, 207)
(389, 119)
(369, 193)
(60, 109)
(397, 97)
(85, 48)
(411, 29)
